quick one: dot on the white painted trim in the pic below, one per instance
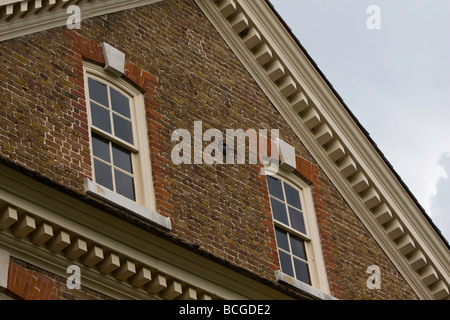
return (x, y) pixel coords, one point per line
(96, 190)
(30, 23)
(143, 178)
(4, 268)
(311, 291)
(313, 245)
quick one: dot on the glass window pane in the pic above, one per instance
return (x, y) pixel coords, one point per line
(298, 247)
(282, 239)
(124, 185)
(279, 211)
(101, 148)
(301, 271)
(122, 158)
(292, 196)
(98, 92)
(120, 103)
(100, 117)
(297, 221)
(103, 174)
(275, 188)
(123, 129)
(286, 263)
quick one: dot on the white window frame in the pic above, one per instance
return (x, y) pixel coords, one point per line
(311, 239)
(142, 172)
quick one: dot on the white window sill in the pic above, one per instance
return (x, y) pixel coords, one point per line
(110, 196)
(311, 291)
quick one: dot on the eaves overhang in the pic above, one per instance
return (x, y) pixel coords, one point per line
(22, 17)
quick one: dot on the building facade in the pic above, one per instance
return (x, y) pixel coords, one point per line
(191, 149)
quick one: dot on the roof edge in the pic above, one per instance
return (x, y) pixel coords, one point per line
(321, 120)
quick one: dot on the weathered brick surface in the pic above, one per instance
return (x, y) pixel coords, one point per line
(28, 282)
(188, 74)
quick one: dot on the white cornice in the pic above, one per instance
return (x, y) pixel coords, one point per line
(53, 230)
(22, 17)
(344, 152)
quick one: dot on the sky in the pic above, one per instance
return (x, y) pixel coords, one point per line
(392, 69)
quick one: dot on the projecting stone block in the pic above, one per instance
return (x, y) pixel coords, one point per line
(239, 22)
(111, 263)
(323, 134)
(93, 257)
(252, 38)
(394, 229)
(141, 278)
(359, 182)
(335, 150)
(227, 8)
(263, 54)
(275, 70)
(382, 213)
(42, 235)
(287, 154)
(439, 290)
(287, 86)
(126, 270)
(347, 166)
(25, 226)
(59, 242)
(172, 291)
(371, 198)
(157, 284)
(8, 217)
(417, 260)
(406, 244)
(311, 118)
(77, 249)
(299, 102)
(114, 60)
(428, 275)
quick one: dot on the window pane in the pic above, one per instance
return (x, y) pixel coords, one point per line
(124, 185)
(123, 129)
(103, 174)
(275, 188)
(279, 211)
(297, 221)
(282, 239)
(298, 247)
(292, 196)
(120, 103)
(98, 92)
(302, 272)
(100, 117)
(122, 158)
(101, 148)
(286, 263)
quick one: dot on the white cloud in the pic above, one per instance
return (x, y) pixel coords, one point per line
(395, 80)
(440, 203)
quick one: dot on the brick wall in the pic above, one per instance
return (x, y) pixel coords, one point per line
(29, 282)
(189, 75)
